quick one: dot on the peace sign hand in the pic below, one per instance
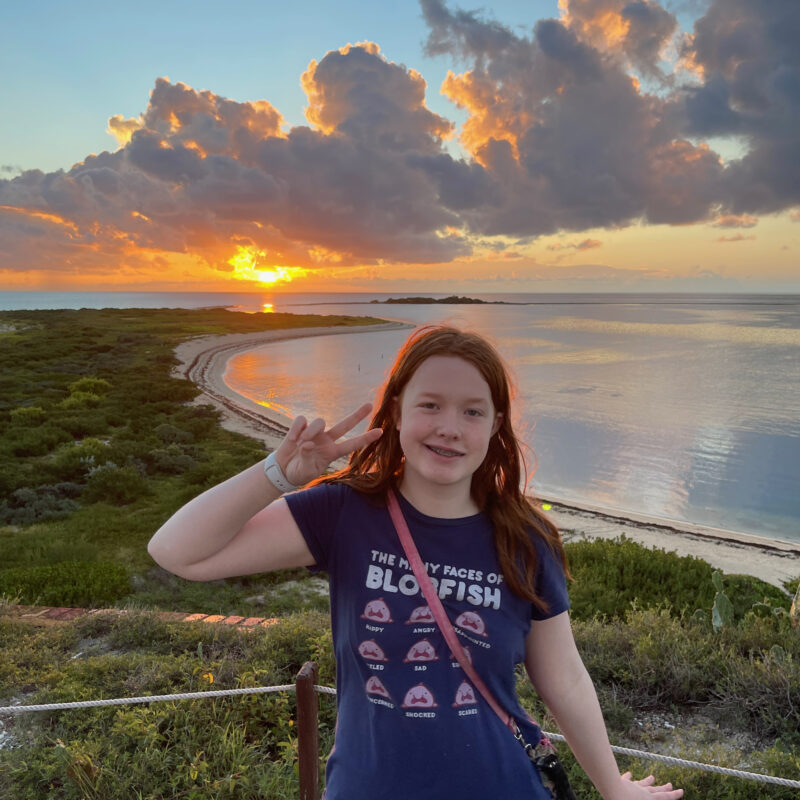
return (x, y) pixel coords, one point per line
(309, 448)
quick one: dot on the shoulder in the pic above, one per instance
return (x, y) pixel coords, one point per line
(327, 498)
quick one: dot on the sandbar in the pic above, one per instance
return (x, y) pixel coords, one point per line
(203, 360)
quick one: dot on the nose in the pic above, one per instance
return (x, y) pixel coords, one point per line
(448, 426)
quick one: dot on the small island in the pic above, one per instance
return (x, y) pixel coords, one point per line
(452, 300)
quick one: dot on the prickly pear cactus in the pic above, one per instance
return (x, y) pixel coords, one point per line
(722, 612)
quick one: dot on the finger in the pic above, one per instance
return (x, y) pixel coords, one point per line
(627, 776)
(296, 428)
(350, 421)
(312, 431)
(357, 442)
(648, 781)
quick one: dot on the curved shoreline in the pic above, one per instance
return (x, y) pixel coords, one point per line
(203, 361)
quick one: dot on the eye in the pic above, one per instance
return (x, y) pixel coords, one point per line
(427, 404)
(474, 412)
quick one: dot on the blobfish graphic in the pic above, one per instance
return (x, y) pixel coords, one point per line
(377, 611)
(371, 651)
(470, 621)
(419, 696)
(421, 651)
(420, 615)
(467, 653)
(375, 686)
(465, 695)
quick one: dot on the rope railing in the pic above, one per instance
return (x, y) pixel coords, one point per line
(307, 728)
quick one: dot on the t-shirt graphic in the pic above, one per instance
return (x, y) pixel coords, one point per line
(372, 651)
(377, 611)
(465, 695)
(419, 696)
(421, 615)
(472, 622)
(374, 686)
(421, 651)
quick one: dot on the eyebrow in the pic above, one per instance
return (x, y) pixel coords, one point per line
(471, 401)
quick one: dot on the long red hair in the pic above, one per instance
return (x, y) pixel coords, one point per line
(497, 485)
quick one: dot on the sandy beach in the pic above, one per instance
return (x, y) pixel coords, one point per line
(203, 361)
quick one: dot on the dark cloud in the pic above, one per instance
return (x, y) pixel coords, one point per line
(748, 53)
(565, 131)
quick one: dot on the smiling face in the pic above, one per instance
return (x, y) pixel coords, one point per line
(445, 418)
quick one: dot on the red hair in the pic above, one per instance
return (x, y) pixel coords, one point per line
(497, 485)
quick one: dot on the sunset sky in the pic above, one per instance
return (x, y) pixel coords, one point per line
(542, 145)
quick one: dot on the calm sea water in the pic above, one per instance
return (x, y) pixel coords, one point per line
(685, 407)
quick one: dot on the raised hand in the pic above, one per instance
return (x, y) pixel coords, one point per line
(309, 448)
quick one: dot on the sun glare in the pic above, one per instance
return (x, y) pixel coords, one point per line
(246, 267)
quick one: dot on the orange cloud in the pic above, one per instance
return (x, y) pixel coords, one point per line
(123, 129)
(494, 112)
(586, 244)
(738, 237)
(735, 221)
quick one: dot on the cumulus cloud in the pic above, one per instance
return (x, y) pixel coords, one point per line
(198, 173)
(747, 51)
(557, 120)
(577, 124)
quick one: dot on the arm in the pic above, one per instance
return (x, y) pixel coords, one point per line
(559, 676)
(241, 526)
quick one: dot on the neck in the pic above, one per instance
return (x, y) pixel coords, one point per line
(445, 502)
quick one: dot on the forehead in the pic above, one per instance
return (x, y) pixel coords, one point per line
(449, 376)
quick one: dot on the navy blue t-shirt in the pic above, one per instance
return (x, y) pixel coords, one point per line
(410, 724)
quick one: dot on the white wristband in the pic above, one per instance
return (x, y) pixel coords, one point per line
(274, 473)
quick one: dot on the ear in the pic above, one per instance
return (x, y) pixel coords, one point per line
(498, 421)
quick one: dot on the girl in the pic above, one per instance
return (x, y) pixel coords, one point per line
(409, 724)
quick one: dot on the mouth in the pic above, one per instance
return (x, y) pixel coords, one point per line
(444, 452)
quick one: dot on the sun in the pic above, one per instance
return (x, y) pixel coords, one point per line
(246, 268)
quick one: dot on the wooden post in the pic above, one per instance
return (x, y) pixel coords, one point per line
(308, 731)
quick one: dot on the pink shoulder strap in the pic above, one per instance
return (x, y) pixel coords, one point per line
(438, 611)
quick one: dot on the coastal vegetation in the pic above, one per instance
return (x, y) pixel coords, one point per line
(451, 300)
(99, 444)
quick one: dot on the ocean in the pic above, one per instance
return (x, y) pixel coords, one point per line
(683, 407)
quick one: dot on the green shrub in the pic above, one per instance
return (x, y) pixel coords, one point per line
(70, 583)
(28, 416)
(92, 385)
(611, 575)
(27, 505)
(75, 461)
(746, 675)
(116, 485)
(36, 441)
(171, 460)
(85, 424)
(79, 400)
(169, 434)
